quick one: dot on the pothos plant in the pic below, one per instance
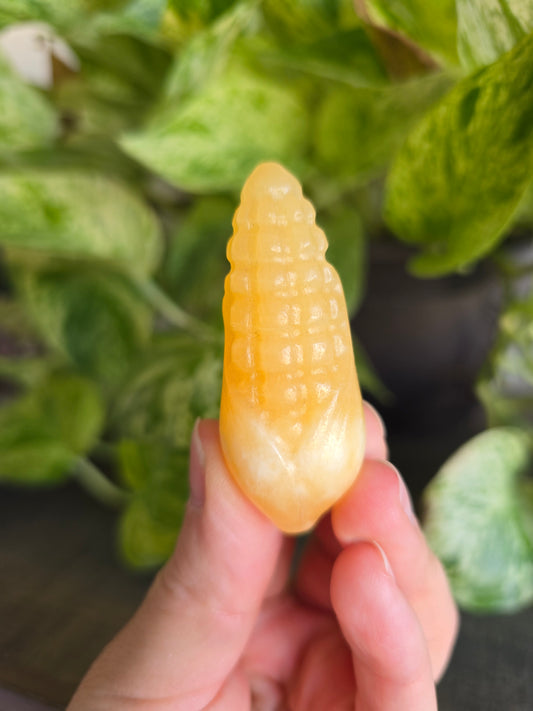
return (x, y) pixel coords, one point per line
(118, 180)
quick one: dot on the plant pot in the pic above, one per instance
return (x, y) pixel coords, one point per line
(427, 340)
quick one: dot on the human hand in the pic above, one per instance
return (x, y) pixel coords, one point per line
(367, 623)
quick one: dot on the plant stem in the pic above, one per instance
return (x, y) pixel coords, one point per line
(173, 313)
(98, 485)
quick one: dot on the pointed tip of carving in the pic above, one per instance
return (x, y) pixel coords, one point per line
(271, 178)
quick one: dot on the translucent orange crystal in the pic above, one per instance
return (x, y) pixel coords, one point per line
(291, 421)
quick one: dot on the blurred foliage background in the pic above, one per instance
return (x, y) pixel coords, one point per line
(126, 131)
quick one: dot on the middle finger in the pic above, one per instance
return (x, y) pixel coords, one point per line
(378, 508)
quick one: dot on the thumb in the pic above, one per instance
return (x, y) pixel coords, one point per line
(196, 618)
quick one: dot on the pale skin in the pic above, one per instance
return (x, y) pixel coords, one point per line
(367, 623)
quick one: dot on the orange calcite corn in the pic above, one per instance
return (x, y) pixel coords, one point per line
(291, 421)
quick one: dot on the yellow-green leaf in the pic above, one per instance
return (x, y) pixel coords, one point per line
(479, 521)
(430, 23)
(27, 120)
(489, 28)
(93, 317)
(78, 215)
(213, 140)
(455, 184)
(43, 432)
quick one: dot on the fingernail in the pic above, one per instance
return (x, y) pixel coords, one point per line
(386, 564)
(405, 499)
(381, 421)
(197, 468)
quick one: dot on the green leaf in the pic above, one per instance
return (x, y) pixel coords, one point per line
(75, 407)
(207, 384)
(72, 15)
(21, 352)
(137, 18)
(140, 66)
(98, 5)
(93, 317)
(26, 119)
(121, 74)
(213, 140)
(144, 542)
(505, 386)
(97, 102)
(120, 77)
(524, 211)
(432, 25)
(479, 521)
(177, 381)
(27, 372)
(206, 54)
(59, 14)
(456, 183)
(43, 432)
(17, 333)
(78, 215)
(358, 131)
(308, 20)
(156, 473)
(38, 460)
(196, 263)
(347, 252)
(194, 14)
(150, 524)
(489, 28)
(303, 18)
(346, 56)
